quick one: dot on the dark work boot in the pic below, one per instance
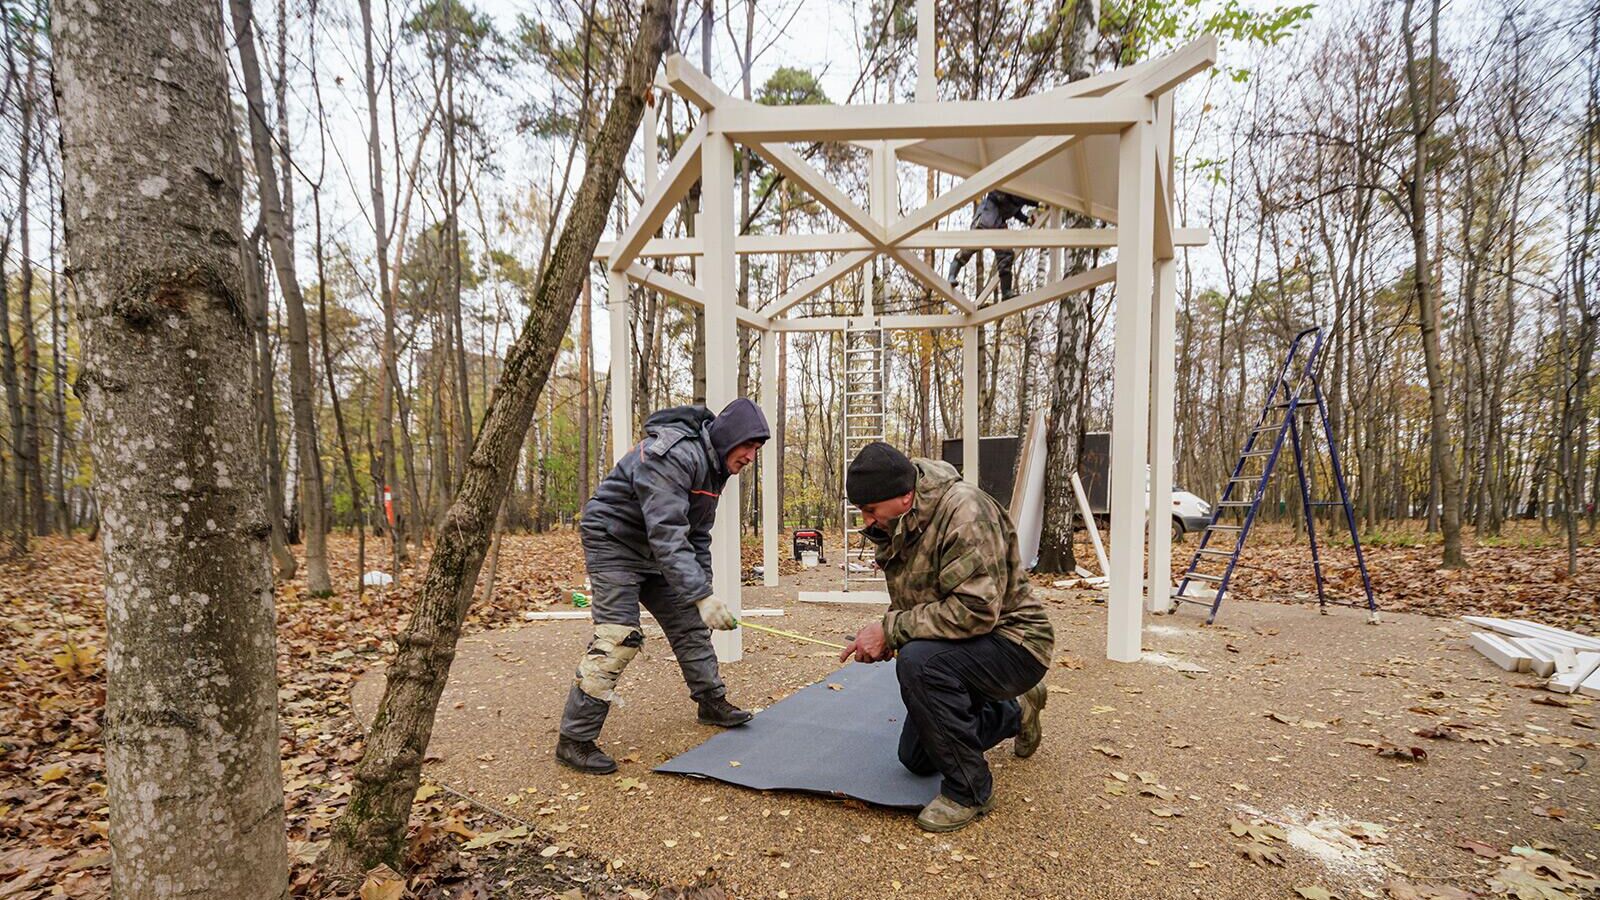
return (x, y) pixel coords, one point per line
(718, 711)
(584, 756)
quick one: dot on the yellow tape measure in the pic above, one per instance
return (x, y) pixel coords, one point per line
(789, 634)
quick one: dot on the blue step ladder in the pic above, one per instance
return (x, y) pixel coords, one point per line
(1296, 390)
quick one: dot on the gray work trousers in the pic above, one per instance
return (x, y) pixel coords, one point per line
(616, 599)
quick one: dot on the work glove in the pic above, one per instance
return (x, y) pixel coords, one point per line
(715, 613)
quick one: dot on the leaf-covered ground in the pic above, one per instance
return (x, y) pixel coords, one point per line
(1520, 574)
(52, 691)
(53, 816)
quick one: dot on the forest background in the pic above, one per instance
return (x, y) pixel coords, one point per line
(416, 209)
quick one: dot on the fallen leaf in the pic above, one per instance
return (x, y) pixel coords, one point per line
(382, 883)
(490, 838)
(1313, 892)
(1479, 848)
(1365, 832)
(1108, 751)
(1257, 830)
(1261, 854)
(1401, 889)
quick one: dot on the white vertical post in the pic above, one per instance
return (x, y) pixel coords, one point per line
(621, 366)
(651, 150)
(716, 279)
(1163, 347)
(927, 42)
(1163, 356)
(970, 336)
(771, 515)
(1130, 406)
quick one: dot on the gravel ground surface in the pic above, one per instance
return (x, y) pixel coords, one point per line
(1142, 771)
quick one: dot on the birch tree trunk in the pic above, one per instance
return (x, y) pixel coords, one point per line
(372, 829)
(152, 224)
(1064, 429)
(280, 240)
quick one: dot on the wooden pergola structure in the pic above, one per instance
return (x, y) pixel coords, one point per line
(1101, 146)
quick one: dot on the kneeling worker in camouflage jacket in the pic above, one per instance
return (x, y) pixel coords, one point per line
(647, 541)
(970, 636)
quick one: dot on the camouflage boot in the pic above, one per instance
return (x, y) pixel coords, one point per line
(585, 756)
(944, 814)
(1032, 730)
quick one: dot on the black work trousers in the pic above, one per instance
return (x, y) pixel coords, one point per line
(960, 699)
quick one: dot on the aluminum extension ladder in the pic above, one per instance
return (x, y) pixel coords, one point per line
(864, 415)
(1296, 390)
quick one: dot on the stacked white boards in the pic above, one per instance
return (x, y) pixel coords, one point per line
(1570, 661)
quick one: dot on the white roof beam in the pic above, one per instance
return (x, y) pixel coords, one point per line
(928, 239)
(933, 281)
(692, 84)
(666, 284)
(898, 322)
(1048, 293)
(1001, 170)
(1176, 67)
(670, 189)
(796, 169)
(754, 123)
(834, 271)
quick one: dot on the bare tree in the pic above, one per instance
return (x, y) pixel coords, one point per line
(1422, 92)
(280, 238)
(372, 829)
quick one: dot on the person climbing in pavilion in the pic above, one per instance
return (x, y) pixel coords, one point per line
(646, 537)
(973, 643)
(997, 209)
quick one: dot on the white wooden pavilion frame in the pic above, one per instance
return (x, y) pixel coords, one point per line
(1101, 146)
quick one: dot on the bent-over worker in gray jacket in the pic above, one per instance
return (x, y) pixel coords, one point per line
(647, 541)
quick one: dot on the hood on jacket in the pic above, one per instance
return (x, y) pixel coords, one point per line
(685, 418)
(738, 422)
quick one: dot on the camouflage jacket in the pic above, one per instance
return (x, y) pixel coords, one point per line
(954, 570)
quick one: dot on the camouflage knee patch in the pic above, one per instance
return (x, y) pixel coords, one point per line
(608, 654)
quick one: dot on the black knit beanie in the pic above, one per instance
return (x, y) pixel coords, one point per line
(877, 473)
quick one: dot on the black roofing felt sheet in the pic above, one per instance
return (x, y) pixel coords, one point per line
(841, 742)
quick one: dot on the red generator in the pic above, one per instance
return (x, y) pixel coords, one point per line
(808, 539)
